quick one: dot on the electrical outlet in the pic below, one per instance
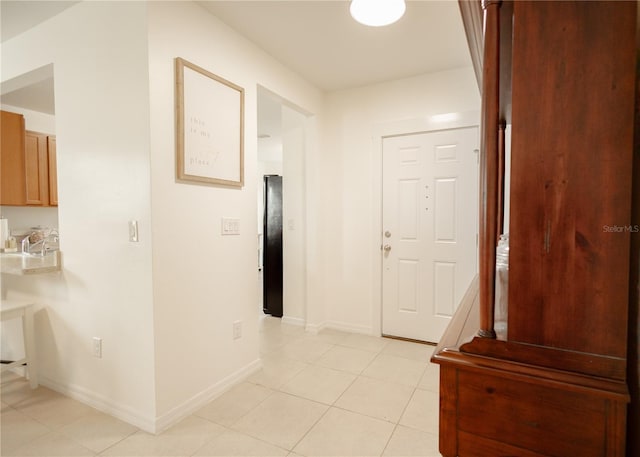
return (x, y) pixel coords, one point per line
(97, 347)
(237, 330)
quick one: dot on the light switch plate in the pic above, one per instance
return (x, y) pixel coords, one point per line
(230, 226)
(97, 347)
(133, 231)
(237, 330)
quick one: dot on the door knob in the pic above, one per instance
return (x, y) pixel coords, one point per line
(386, 248)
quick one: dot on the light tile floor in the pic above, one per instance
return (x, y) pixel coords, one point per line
(331, 394)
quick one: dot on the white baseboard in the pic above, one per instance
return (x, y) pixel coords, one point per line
(147, 423)
(293, 321)
(199, 400)
(342, 326)
(335, 325)
(101, 403)
(314, 328)
(346, 327)
(20, 371)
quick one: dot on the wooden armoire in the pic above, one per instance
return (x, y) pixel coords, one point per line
(562, 379)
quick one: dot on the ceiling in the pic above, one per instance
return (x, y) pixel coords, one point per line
(320, 41)
(18, 16)
(317, 39)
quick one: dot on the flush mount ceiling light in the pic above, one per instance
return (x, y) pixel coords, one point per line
(377, 13)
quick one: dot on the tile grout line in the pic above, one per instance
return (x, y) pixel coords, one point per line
(399, 419)
(333, 404)
(304, 435)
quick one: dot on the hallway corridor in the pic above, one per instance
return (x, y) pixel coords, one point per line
(329, 394)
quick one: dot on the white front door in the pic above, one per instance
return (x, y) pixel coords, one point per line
(429, 227)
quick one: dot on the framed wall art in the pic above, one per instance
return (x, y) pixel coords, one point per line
(209, 127)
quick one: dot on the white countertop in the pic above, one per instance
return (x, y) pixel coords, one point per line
(17, 263)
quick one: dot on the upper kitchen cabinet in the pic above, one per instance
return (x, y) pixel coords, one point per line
(36, 169)
(53, 170)
(12, 169)
(29, 175)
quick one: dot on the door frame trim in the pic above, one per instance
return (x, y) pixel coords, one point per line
(448, 121)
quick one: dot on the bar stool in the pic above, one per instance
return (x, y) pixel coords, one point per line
(12, 310)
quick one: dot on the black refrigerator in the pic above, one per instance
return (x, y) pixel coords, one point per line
(272, 247)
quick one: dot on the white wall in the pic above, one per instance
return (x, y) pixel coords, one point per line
(117, 164)
(205, 282)
(353, 181)
(165, 308)
(99, 51)
(23, 217)
(293, 220)
(269, 148)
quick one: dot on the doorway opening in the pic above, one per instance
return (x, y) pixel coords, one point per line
(31, 96)
(282, 145)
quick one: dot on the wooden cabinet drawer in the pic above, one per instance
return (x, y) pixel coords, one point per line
(552, 422)
(470, 445)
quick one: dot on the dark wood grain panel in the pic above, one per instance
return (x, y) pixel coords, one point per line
(555, 384)
(488, 178)
(543, 420)
(558, 359)
(604, 388)
(448, 423)
(476, 446)
(633, 354)
(571, 174)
